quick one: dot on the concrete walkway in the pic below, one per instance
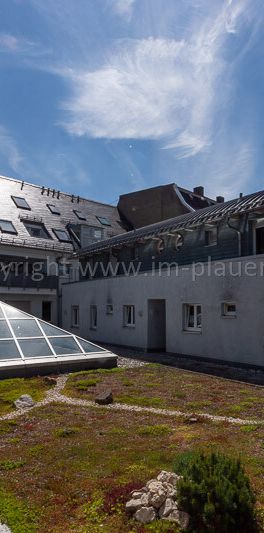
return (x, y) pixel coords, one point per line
(54, 395)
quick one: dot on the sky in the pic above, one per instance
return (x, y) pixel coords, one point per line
(103, 97)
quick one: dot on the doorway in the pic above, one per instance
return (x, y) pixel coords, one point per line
(46, 311)
(157, 325)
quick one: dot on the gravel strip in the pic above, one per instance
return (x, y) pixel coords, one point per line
(4, 529)
(54, 395)
(124, 362)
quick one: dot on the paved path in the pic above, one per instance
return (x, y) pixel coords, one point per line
(54, 395)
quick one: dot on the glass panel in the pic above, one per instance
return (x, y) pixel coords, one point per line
(104, 221)
(88, 347)
(35, 348)
(7, 227)
(4, 330)
(26, 328)
(8, 350)
(1, 313)
(65, 345)
(190, 322)
(11, 312)
(199, 316)
(20, 202)
(62, 235)
(52, 330)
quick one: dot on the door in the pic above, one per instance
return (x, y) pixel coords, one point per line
(157, 325)
(46, 311)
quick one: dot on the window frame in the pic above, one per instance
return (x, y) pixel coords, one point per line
(55, 231)
(6, 231)
(93, 317)
(107, 221)
(75, 313)
(56, 212)
(39, 225)
(109, 309)
(129, 316)
(213, 241)
(186, 317)
(228, 314)
(26, 207)
(80, 215)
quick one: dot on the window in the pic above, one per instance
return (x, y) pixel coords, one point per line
(37, 230)
(210, 237)
(104, 221)
(62, 235)
(79, 214)
(260, 240)
(109, 309)
(192, 317)
(75, 316)
(129, 316)
(46, 311)
(7, 227)
(20, 202)
(93, 316)
(98, 234)
(53, 209)
(229, 310)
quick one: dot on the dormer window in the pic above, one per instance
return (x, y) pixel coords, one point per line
(6, 226)
(104, 221)
(79, 214)
(21, 203)
(53, 209)
(62, 235)
(210, 237)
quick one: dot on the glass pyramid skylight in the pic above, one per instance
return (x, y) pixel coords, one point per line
(27, 341)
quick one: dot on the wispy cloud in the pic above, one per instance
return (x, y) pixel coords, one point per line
(9, 151)
(123, 8)
(157, 88)
(19, 45)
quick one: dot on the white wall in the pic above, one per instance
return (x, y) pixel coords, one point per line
(238, 339)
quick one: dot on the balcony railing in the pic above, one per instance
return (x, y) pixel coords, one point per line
(28, 282)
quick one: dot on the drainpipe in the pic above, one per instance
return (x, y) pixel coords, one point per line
(238, 232)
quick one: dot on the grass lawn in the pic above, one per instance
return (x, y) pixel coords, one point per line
(164, 387)
(69, 469)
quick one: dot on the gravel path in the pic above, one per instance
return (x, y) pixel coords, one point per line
(4, 529)
(54, 395)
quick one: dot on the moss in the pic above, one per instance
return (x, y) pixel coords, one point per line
(154, 431)
(12, 389)
(10, 465)
(85, 384)
(249, 428)
(141, 400)
(16, 514)
(66, 432)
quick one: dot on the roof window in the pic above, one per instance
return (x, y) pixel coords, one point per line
(104, 221)
(62, 235)
(20, 202)
(53, 209)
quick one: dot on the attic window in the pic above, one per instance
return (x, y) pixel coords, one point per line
(6, 226)
(104, 221)
(21, 202)
(53, 209)
(62, 235)
(210, 237)
(79, 214)
(37, 230)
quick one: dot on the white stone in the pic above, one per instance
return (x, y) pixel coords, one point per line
(168, 477)
(166, 509)
(170, 490)
(145, 515)
(136, 495)
(174, 516)
(136, 503)
(156, 499)
(153, 485)
(24, 402)
(4, 529)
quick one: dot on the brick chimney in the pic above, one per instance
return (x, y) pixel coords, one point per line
(220, 199)
(199, 190)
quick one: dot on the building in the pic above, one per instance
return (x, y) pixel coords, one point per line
(40, 228)
(191, 284)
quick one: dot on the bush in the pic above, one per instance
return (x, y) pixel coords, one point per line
(216, 493)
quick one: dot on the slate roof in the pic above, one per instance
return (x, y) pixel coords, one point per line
(195, 200)
(215, 213)
(38, 197)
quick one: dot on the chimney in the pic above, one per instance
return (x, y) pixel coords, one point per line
(199, 190)
(220, 199)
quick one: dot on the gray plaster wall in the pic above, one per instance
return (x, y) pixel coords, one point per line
(239, 339)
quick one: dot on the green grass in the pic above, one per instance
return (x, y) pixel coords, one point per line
(154, 431)
(12, 389)
(17, 514)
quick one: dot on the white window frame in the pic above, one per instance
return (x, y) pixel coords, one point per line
(186, 315)
(93, 316)
(75, 316)
(226, 313)
(129, 316)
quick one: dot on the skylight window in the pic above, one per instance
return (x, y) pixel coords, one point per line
(37, 230)
(26, 338)
(20, 202)
(6, 226)
(62, 235)
(104, 221)
(53, 209)
(79, 214)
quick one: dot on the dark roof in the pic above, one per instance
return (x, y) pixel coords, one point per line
(210, 214)
(195, 200)
(37, 198)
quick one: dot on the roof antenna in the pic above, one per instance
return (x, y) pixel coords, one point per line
(22, 185)
(72, 198)
(42, 189)
(58, 194)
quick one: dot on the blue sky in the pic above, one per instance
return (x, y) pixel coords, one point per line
(103, 97)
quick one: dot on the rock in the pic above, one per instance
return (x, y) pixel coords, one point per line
(50, 381)
(167, 508)
(193, 420)
(174, 516)
(24, 402)
(168, 477)
(136, 495)
(104, 398)
(4, 529)
(136, 503)
(170, 490)
(184, 519)
(145, 515)
(156, 499)
(153, 485)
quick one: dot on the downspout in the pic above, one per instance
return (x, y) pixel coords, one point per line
(238, 232)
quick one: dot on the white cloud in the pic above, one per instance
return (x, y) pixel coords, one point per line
(123, 8)
(8, 42)
(9, 151)
(155, 88)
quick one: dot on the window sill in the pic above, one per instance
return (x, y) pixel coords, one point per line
(192, 331)
(229, 316)
(129, 326)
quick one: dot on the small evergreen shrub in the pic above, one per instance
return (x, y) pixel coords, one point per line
(216, 493)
